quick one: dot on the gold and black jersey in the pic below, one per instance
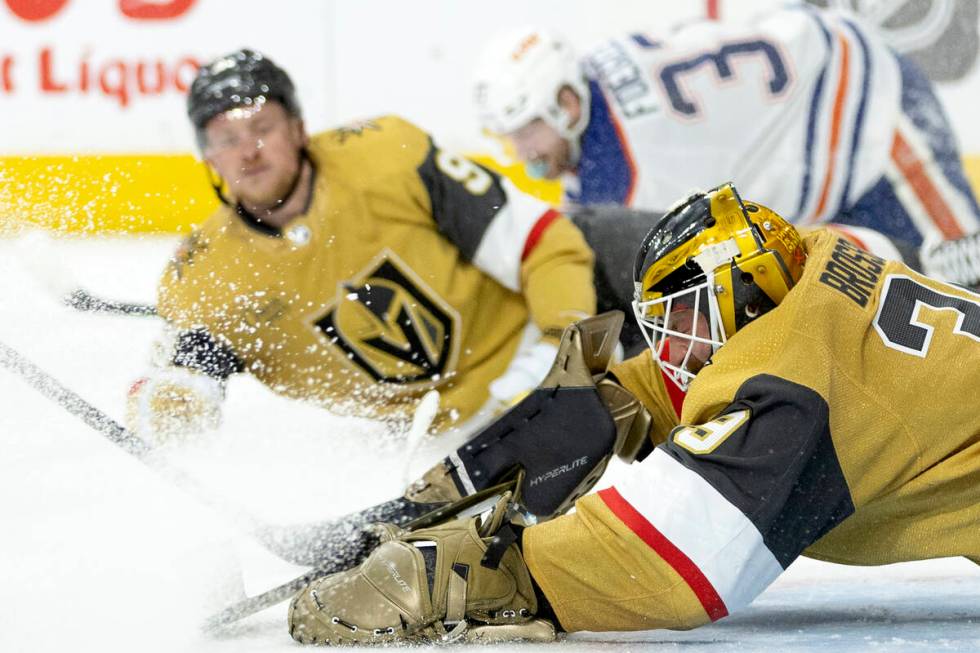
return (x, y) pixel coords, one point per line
(411, 269)
(835, 426)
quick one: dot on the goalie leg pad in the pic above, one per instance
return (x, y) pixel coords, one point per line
(431, 585)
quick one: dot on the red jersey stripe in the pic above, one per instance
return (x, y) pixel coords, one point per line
(695, 579)
(537, 231)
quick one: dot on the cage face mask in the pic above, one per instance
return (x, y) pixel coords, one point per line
(710, 266)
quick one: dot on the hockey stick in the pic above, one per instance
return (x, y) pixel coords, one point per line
(472, 504)
(342, 539)
(70, 401)
(37, 256)
(82, 300)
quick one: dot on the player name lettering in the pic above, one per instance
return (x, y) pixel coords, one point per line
(623, 78)
(853, 272)
(558, 471)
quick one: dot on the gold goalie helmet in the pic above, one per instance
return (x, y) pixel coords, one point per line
(710, 266)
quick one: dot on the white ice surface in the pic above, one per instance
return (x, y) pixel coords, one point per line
(98, 553)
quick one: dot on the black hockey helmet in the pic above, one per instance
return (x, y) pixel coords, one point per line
(242, 78)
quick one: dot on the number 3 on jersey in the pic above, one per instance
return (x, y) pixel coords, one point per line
(723, 61)
(705, 438)
(898, 322)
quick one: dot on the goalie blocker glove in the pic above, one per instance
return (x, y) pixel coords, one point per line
(172, 403)
(561, 436)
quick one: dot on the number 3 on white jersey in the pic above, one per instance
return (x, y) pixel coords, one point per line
(723, 62)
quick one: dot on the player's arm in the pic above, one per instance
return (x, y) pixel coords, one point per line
(661, 398)
(522, 243)
(182, 394)
(704, 524)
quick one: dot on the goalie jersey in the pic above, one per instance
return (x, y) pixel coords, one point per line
(828, 427)
(411, 269)
(807, 111)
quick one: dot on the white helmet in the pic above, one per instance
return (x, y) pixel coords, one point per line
(518, 79)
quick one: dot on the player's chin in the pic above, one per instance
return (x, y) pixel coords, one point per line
(263, 195)
(699, 353)
(555, 168)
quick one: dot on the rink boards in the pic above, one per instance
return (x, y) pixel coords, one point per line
(155, 193)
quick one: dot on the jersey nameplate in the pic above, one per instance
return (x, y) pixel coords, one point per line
(852, 271)
(392, 326)
(623, 78)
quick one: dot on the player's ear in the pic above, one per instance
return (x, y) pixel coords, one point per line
(571, 104)
(209, 162)
(299, 131)
(217, 181)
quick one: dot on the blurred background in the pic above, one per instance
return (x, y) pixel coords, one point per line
(95, 137)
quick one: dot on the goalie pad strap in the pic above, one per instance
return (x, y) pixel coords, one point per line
(632, 420)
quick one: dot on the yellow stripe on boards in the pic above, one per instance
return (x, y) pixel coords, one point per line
(549, 191)
(134, 193)
(97, 194)
(159, 193)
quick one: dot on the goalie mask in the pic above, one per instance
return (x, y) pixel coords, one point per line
(710, 266)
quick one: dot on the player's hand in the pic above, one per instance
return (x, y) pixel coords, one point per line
(525, 372)
(173, 403)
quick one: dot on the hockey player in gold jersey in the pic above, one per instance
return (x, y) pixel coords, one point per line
(358, 267)
(816, 422)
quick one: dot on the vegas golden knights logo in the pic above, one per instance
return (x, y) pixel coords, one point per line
(392, 326)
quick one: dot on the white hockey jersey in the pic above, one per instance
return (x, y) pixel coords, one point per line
(802, 109)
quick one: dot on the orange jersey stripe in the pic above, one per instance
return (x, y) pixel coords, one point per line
(835, 124)
(914, 172)
(850, 235)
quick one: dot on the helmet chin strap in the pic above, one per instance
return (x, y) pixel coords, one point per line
(572, 133)
(556, 116)
(574, 151)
